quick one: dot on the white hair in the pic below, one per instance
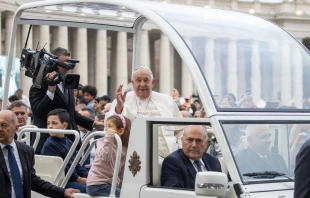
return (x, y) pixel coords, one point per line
(142, 67)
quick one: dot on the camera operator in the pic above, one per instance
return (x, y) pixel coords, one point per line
(55, 96)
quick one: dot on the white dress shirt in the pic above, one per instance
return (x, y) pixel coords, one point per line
(202, 165)
(51, 95)
(15, 152)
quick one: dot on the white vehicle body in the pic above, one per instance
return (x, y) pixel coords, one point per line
(181, 23)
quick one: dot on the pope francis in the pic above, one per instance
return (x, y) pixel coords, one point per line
(143, 102)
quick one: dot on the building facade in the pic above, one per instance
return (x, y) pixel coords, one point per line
(106, 56)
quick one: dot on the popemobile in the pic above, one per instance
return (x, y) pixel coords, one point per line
(226, 53)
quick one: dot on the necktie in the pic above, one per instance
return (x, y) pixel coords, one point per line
(15, 174)
(66, 94)
(198, 163)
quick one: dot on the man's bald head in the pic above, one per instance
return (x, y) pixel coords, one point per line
(259, 138)
(9, 114)
(8, 126)
(198, 128)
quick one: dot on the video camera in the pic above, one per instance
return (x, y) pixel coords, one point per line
(40, 62)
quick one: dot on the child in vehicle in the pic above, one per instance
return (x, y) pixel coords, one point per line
(99, 180)
(59, 145)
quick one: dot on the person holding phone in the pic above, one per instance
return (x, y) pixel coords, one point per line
(246, 101)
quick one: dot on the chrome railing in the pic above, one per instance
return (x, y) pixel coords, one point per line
(71, 151)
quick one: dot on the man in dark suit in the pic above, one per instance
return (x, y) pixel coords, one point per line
(258, 156)
(180, 167)
(54, 96)
(302, 173)
(17, 174)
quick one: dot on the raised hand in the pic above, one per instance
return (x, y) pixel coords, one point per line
(120, 98)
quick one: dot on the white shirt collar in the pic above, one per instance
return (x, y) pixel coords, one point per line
(145, 99)
(264, 157)
(195, 160)
(13, 144)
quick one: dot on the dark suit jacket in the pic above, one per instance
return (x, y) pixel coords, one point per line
(41, 105)
(178, 171)
(249, 161)
(302, 173)
(30, 180)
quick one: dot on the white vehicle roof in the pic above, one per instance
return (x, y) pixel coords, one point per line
(225, 51)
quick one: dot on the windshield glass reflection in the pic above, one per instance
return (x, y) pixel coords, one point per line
(266, 147)
(248, 62)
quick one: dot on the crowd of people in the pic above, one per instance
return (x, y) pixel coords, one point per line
(182, 151)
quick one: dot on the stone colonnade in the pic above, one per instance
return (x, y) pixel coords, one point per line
(231, 70)
(105, 56)
(105, 61)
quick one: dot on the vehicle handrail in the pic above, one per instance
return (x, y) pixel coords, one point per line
(78, 156)
(71, 151)
(88, 152)
(117, 162)
(27, 139)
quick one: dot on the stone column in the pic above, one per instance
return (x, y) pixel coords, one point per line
(26, 82)
(298, 72)
(81, 54)
(187, 82)
(121, 60)
(232, 75)
(45, 37)
(209, 66)
(165, 85)
(63, 37)
(145, 50)
(101, 81)
(276, 65)
(255, 72)
(285, 75)
(8, 31)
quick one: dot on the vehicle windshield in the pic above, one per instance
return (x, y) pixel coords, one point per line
(248, 62)
(265, 147)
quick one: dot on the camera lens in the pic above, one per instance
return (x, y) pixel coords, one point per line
(69, 80)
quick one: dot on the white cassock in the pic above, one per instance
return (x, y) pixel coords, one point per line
(157, 105)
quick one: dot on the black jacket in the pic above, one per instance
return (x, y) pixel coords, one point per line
(249, 161)
(302, 173)
(30, 180)
(178, 171)
(41, 105)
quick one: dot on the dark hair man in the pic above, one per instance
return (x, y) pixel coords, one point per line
(20, 162)
(55, 96)
(21, 111)
(180, 167)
